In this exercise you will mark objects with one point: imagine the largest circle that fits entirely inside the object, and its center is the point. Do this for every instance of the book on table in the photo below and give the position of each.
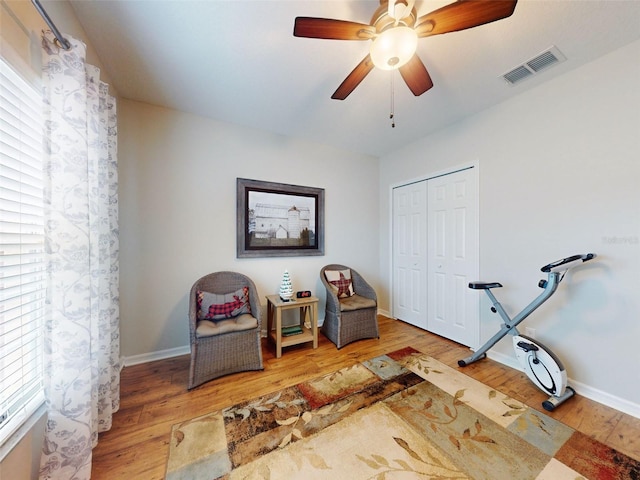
(292, 330)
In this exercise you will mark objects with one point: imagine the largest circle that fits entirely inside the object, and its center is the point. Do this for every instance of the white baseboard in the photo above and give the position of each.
(586, 391)
(607, 399)
(153, 356)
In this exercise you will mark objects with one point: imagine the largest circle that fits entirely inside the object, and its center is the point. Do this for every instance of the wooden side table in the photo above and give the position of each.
(308, 308)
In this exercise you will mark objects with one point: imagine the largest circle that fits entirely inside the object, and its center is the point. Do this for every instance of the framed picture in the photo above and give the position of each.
(279, 220)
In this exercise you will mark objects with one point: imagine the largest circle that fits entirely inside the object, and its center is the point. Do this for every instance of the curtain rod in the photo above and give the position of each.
(62, 42)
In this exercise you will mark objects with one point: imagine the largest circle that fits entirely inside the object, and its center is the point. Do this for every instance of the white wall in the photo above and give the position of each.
(177, 193)
(559, 175)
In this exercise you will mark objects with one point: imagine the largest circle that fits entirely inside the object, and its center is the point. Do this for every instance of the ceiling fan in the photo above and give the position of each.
(394, 30)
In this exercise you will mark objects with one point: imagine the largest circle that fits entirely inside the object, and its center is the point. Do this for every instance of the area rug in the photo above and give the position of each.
(403, 415)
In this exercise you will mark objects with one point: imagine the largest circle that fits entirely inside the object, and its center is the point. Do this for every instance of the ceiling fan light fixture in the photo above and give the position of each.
(394, 47)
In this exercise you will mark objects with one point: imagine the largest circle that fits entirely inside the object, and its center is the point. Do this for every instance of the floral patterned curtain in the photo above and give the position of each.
(82, 339)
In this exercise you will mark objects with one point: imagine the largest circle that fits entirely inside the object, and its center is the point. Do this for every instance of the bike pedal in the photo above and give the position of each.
(528, 347)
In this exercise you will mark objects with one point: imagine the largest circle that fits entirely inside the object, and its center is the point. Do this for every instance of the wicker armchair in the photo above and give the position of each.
(353, 318)
(228, 346)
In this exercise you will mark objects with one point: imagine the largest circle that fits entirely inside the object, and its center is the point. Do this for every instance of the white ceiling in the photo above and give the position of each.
(238, 62)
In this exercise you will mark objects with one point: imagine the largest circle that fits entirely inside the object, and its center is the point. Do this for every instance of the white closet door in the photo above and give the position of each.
(452, 256)
(410, 253)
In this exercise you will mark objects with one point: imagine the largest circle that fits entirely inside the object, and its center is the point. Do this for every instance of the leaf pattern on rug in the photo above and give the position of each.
(307, 417)
(379, 462)
(476, 437)
(451, 414)
(516, 408)
(315, 460)
(523, 423)
(435, 418)
(332, 387)
(178, 435)
(263, 404)
(419, 362)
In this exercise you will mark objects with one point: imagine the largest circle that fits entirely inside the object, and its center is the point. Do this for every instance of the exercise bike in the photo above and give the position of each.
(542, 367)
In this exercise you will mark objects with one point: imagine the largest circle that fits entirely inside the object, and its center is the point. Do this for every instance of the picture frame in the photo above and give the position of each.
(278, 219)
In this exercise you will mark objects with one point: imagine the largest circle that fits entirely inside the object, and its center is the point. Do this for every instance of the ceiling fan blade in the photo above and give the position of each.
(463, 14)
(329, 29)
(353, 79)
(416, 76)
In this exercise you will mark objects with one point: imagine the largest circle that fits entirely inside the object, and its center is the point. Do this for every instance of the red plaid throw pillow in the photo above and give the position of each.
(213, 306)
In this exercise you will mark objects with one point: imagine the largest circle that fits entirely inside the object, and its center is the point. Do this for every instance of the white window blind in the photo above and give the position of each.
(22, 271)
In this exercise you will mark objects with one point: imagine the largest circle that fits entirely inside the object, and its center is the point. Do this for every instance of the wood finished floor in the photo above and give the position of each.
(154, 397)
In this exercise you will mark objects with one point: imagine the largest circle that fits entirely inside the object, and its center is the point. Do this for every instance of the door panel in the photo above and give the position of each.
(409, 253)
(452, 258)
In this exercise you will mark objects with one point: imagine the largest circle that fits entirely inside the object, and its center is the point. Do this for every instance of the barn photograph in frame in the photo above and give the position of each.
(278, 219)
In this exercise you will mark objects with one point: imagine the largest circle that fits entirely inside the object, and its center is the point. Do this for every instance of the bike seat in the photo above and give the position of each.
(484, 285)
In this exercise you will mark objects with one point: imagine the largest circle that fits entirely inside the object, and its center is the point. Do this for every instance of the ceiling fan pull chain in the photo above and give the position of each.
(392, 113)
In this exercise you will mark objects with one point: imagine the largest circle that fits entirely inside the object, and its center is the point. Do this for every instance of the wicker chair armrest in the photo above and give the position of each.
(362, 287)
(193, 314)
(333, 304)
(254, 301)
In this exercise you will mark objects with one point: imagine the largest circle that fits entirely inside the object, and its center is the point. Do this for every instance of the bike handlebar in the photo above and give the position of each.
(567, 263)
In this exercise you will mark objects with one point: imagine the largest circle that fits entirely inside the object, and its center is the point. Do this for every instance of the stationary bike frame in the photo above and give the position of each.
(542, 367)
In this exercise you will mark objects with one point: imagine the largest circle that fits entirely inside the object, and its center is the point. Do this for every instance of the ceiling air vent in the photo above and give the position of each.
(540, 62)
